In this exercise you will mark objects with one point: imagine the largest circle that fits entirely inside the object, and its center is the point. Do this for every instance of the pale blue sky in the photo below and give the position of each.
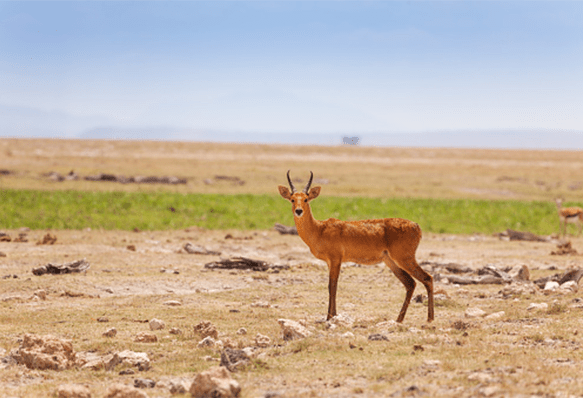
(337, 67)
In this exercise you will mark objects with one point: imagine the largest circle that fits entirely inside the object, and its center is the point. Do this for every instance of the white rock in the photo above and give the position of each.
(386, 325)
(157, 324)
(474, 312)
(496, 315)
(262, 341)
(242, 331)
(172, 303)
(207, 342)
(342, 320)
(537, 306)
(551, 285)
(348, 335)
(111, 332)
(293, 330)
(570, 285)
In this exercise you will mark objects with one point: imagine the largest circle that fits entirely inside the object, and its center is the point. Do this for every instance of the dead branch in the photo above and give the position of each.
(67, 268)
(242, 263)
(284, 230)
(194, 249)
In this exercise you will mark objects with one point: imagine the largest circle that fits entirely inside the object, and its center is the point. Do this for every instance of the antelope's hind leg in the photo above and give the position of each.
(407, 281)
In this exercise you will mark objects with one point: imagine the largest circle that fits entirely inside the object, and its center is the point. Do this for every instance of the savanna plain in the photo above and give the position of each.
(509, 338)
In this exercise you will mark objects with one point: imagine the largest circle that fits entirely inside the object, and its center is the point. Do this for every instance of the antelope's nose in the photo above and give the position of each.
(299, 212)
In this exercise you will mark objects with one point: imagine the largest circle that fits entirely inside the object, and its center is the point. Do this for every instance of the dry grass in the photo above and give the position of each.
(522, 352)
(349, 171)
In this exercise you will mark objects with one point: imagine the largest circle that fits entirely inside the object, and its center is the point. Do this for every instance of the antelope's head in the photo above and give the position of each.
(299, 200)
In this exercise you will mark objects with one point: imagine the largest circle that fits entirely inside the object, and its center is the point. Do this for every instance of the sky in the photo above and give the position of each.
(183, 69)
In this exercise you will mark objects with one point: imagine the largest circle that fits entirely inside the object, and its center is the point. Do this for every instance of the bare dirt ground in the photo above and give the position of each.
(508, 350)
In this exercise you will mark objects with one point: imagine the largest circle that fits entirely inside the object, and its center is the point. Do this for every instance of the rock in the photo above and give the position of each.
(73, 391)
(386, 325)
(206, 328)
(378, 337)
(495, 315)
(172, 303)
(144, 337)
(207, 342)
(175, 331)
(242, 331)
(537, 306)
(215, 382)
(520, 273)
(111, 332)
(42, 294)
(122, 391)
(341, 320)
(293, 330)
(348, 335)
(44, 352)
(144, 383)
(134, 359)
(570, 286)
(157, 324)
(474, 312)
(551, 286)
(261, 304)
(262, 341)
(234, 359)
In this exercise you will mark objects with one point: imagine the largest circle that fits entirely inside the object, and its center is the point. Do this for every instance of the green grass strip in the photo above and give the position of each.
(163, 210)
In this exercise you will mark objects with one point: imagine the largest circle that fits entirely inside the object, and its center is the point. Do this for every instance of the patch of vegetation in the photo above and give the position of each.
(166, 210)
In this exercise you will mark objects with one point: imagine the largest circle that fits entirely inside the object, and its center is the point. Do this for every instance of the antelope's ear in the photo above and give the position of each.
(284, 192)
(314, 192)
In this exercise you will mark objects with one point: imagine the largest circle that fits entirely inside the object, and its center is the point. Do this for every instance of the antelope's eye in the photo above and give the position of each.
(293, 201)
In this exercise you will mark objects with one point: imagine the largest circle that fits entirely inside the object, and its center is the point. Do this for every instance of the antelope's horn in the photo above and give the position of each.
(291, 184)
(307, 188)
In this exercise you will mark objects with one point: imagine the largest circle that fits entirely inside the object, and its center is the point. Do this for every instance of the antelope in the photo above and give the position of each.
(390, 240)
(568, 215)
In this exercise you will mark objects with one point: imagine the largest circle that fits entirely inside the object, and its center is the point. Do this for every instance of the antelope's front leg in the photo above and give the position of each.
(334, 269)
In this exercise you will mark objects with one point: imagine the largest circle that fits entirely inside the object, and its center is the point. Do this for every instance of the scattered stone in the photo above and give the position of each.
(4, 237)
(144, 337)
(172, 303)
(207, 342)
(44, 352)
(111, 332)
(242, 331)
(41, 294)
(495, 315)
(474, 312)
(537, 306)
(122, 391)
(261, 304)
(22, 238)
(341, 320)
(262, 341)
(551, 286)
(127, 372)
(520, 273)
(131, 248)
(67, 268)
(48, 239)
(293, 330)
(194, 249)
(103, 319)
(215, 382)
(144, 383)
(574, 274)
(386, 325)
(73, 391)
(378, 337)
(518, 289)
(157, 324)
(564, 248)
(234, 359)
(348, 335)
(175, 331)
(2, 254)
(205, 329)
(571, 286)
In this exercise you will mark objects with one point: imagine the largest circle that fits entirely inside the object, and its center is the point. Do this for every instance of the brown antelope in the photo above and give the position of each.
(391, 240)
(568, 215)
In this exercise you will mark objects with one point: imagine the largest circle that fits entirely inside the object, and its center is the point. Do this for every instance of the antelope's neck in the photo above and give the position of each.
(308, 228)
